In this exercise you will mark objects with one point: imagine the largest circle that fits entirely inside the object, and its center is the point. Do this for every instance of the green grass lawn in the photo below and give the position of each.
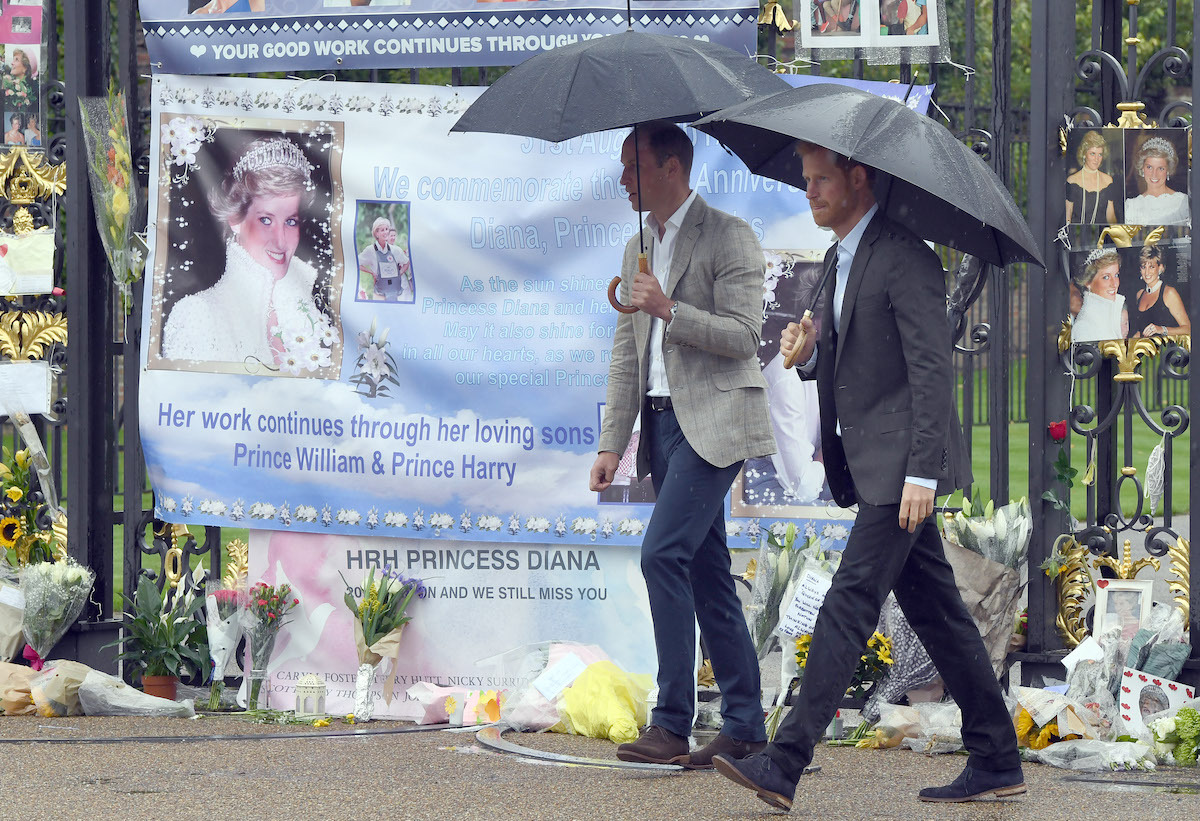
(1018, 466)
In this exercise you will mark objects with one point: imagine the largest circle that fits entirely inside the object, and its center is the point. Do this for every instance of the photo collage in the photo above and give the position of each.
(21, 52)
(1128, 215)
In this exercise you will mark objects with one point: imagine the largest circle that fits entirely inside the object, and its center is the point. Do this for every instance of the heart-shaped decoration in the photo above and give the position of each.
(1129, 674)
(1125, 690)
(1173, 686)
(1143, 678)
(1124, 706)
(1188, 692)
(1125, 717)
(1157, 681)
(198, 51)
(1103, 583)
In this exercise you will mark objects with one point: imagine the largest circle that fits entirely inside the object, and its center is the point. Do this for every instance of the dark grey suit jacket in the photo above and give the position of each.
(886, 375)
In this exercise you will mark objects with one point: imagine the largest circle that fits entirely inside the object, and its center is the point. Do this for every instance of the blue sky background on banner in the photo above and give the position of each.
(295, 35)
(534, 489)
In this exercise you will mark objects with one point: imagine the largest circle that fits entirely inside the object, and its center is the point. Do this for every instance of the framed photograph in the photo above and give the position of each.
(1133, 292)
(836, 23)
(1095, 176)
(791, 482)
(879, 24)
(1156, 177)
(1142, 695)
(1122, 602)
(235, 272)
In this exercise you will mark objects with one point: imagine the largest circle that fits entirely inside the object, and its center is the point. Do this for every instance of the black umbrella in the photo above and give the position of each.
(932, 183)
(617, 81)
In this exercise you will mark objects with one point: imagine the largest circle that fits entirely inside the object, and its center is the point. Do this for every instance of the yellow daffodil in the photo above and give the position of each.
(350, 718)
(5, 473)
(14, 494)
(10, 531)
(22, 458)
(321, 722)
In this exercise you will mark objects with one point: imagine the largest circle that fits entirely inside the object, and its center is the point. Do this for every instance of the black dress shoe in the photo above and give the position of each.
(728, 746)
(973, 784)
(759, 773)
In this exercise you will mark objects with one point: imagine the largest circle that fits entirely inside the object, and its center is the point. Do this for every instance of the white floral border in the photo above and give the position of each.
(443, 524)
(347, 25)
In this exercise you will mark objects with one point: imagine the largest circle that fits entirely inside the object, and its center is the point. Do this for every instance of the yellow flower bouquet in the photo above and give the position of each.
(26, 533)
(872, 666)
(114, 191)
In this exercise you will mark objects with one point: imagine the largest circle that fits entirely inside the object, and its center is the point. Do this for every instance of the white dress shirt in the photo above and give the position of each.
(660, 264)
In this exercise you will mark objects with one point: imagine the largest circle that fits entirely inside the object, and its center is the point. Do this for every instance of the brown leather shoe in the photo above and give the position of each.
(655, 746)
(732, 748)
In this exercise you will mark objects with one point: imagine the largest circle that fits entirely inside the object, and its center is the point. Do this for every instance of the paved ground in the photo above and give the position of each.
(439, 775)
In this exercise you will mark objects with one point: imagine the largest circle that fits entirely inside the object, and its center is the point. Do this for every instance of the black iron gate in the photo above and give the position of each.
(1010, 366)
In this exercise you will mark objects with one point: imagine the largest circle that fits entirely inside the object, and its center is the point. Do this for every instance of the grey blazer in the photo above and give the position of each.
(717, 388)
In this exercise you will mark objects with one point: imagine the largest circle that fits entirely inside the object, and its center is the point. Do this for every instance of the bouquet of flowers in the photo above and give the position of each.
(55, 593)
(379, 619)
(223, 611)
(114, 194)
(264, 616)
(777, 570)
(872, 666)
(20, 534)
(1177, 736)
(997, 533)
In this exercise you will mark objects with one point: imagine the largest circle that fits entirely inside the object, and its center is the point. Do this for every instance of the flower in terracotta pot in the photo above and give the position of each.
(162, 640)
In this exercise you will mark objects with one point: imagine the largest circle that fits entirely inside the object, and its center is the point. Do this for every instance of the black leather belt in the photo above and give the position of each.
(659, 403)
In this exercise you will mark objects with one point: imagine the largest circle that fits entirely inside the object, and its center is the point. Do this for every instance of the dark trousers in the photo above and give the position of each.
(881, 556)
(685, 561)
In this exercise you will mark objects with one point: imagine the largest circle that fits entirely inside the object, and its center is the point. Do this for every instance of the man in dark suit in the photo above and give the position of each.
(891, 442)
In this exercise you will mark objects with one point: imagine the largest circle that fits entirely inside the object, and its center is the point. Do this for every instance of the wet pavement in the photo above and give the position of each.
(107, 768)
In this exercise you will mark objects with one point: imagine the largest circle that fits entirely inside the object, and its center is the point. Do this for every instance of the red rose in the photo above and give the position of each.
(262, 602)
(1058, 430)
(270, 615)
(295, 601)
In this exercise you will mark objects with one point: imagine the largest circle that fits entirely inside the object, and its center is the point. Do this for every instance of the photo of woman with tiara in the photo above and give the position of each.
(267, 307)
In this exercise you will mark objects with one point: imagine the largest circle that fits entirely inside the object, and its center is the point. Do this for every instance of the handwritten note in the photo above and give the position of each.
(558, 676)
(801, 614)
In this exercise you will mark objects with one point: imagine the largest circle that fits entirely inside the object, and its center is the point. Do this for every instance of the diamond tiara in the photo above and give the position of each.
(270, 153)
(1159, 144)
(1096, 254)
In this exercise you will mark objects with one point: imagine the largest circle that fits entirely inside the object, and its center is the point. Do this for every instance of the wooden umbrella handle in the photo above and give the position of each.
(643, 267)
(790, 360)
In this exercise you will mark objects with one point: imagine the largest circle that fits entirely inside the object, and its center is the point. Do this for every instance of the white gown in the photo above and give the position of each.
(228, 322)
(1166, 209)
(796, 418)
(1098, 319)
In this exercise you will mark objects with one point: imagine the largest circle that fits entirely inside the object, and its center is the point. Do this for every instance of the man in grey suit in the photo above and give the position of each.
(686, 361)
(891, 442)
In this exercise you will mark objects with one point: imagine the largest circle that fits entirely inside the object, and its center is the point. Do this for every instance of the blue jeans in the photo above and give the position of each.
(685, 561)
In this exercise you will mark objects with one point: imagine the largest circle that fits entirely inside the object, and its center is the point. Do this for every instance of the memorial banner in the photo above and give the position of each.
(232, 36)
(359, 323)
(478, 602)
